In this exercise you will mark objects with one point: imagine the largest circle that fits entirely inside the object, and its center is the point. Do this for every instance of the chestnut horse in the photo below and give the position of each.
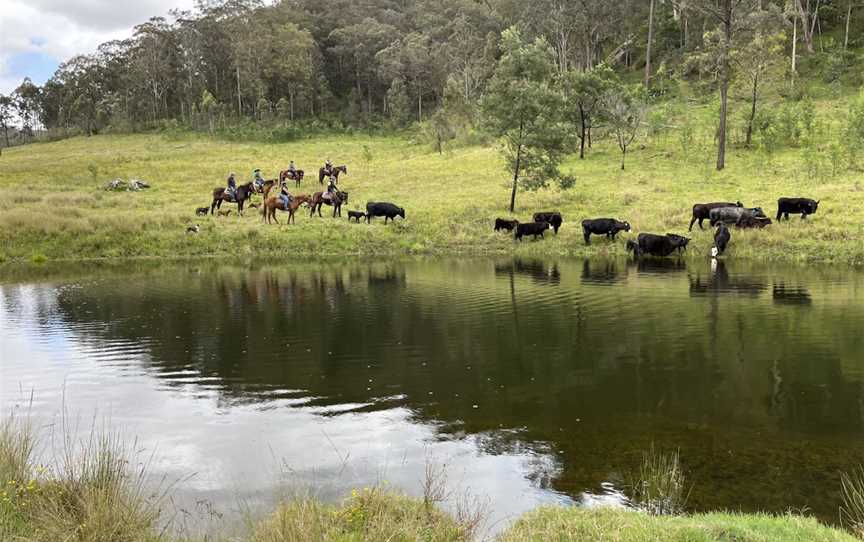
(243, 193)
(273, 203)
(336, 170)
(286, 175)
(336, 200)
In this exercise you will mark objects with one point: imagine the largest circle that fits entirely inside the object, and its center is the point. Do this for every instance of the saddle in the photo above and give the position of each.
(232, 195)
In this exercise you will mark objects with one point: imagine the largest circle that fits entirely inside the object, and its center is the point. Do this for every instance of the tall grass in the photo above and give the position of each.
(852, 509)
(659, 485)
(89, 491)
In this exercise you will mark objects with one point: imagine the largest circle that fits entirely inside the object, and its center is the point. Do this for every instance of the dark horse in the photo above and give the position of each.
(336, 170)
(243, 193)
(336, 200)
(296, 177)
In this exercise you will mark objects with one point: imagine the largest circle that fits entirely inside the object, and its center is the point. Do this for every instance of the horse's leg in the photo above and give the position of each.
(213, 206)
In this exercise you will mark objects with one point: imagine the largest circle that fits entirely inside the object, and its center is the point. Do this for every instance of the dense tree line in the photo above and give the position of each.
(447, 63)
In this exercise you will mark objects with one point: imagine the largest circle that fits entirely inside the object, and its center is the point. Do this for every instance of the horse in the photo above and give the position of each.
(265, 188)
(336, 200)
(275, 202)
(297, 176)
(323, 173)
(243, 193)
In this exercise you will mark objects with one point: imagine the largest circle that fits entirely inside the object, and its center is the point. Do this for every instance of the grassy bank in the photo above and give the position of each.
(55, 207)
(96, 491)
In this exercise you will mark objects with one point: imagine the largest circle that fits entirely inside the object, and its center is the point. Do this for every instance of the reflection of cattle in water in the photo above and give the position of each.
(790, 295)
(539, 271)
(600, 272)
(720, 282)
(659, 266)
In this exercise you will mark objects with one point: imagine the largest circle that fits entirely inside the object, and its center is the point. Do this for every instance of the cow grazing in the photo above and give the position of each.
(504, 224)
(804, 206)
(531, 228)
(732, 215)
(701, 211)
(747, 222)
(552, 217)
(657, 245)
(721, 240)
(356, 215)
(603, 226)
(388, 210)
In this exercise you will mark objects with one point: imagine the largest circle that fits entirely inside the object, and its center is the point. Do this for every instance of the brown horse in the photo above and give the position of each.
(296, 177)
(261, 188)
(243, 193)
(336, 200)
(275, 202)
(336, 170)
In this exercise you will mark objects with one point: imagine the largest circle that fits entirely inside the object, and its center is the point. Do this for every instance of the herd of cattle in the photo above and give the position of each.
(719, 214)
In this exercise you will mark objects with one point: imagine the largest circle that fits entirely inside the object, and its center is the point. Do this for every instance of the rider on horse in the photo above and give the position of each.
(331, 187)
(292, 170)
(232, 187)
(328, 167)
(257, 178)
(286, 197)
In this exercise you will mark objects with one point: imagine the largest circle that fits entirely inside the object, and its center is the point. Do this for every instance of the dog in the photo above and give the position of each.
(224, 213)
(356, 215)
(202, 211)
(194, 228)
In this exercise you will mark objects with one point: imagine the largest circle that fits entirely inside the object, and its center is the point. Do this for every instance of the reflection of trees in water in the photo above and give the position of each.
(676, 369)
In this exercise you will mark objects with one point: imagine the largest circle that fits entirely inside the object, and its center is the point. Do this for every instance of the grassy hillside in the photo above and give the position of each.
(54, 206)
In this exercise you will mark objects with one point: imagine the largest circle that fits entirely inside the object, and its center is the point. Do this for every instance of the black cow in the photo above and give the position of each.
(733, 215)
(531, 228)
(721, 240)
(504, 224)
(701, 211)
(356, 215)
(387, 210)
(805, 206)
(552, 217)
(603, 226)
(748, 222)
(657, 245)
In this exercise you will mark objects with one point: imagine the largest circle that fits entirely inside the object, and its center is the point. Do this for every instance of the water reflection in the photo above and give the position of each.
(790, 295)
(511, 365)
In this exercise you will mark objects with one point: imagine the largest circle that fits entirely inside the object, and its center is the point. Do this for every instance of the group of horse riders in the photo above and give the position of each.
(284, 195)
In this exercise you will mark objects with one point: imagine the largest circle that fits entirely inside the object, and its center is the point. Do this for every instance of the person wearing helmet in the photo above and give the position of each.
(232, 186)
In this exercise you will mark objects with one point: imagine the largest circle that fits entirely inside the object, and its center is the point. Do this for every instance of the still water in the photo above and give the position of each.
(532, 381)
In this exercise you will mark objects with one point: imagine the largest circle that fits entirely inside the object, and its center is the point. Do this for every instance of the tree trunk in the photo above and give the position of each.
(721, 128)
(794, 43)
(647, 79)
(583, 132)
(752, 111)
(848, 19)
(516, 170)
(515, 179)
(239, 99)
(419, 105)
(291, 101)
(623, 155)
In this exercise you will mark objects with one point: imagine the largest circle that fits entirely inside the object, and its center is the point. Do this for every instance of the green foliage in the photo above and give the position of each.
(521, 108)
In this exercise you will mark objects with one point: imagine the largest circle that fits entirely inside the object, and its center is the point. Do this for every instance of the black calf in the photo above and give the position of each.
(504, 224)
(721, 239)
(356, 215)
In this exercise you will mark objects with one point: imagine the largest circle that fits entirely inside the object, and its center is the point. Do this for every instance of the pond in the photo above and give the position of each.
(529, 381)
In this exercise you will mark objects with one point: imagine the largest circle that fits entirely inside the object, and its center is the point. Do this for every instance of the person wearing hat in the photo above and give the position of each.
(292, 170)
(257, 179)
(232, 186)
(328, 167)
